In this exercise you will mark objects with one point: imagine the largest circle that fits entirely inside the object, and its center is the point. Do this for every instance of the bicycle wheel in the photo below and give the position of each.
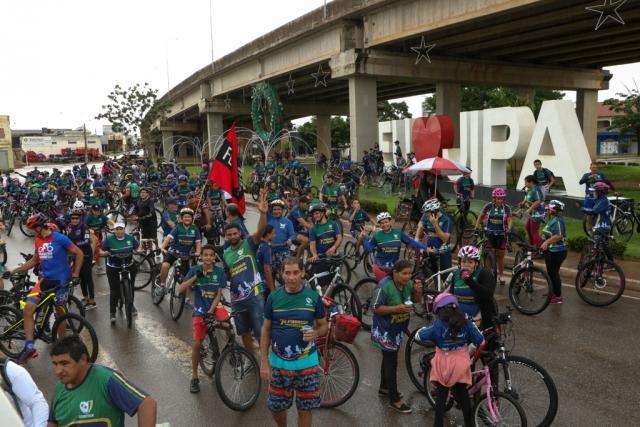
(501, 410)
(11, 331)
(5, 297)
(529, 384)
(238, 378)
(74, 305)
(127, 295)
(24, 229)
(77, 325)
(600, 283)
(364, 290)
(349, 251)
(347, 298)
(339, 373)
(623, 226)
(367, 263)
(209, 354)
(530, 290)
(11, 222)
(176, 300)
(159, 213)
(157, 291)
(144, 272)
(417, 355)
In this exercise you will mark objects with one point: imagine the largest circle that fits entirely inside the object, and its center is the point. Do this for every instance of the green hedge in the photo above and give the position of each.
(373, 208)
(579, 242)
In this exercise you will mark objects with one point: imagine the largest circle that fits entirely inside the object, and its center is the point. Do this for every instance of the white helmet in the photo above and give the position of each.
(383, 215)
(78, 204)
(431, 205)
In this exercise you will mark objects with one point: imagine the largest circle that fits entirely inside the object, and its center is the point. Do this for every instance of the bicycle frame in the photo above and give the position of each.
(46, 305)
(484, 380)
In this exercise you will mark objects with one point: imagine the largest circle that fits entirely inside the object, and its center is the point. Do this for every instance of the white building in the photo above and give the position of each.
(54, 144)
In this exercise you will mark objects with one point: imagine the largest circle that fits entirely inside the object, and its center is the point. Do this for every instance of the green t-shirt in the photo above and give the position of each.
(99, 401)
(243, 272)
(135, 189)
(324, 235)
(330, 193)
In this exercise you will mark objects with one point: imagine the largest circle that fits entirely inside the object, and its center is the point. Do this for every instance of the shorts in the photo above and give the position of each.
(496, 241)
(198, 328)
(305, 383)
(171, 257)
(43, 286)
(149, 230)
(249, 315)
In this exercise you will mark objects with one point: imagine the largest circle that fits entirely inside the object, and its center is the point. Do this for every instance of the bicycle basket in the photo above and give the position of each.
(403, 210)
(346, 327)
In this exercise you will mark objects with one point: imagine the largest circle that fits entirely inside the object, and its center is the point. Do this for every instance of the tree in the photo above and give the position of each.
(340, 132)
(132, 111)
(629, 105)
(481, 98)
(394, 111)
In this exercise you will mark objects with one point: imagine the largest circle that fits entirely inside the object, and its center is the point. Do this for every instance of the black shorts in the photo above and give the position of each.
(171, 257)
(149, 230)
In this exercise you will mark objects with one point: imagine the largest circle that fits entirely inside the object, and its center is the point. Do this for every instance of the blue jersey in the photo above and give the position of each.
(263, 256)
(52, 252)
(440, 333)
(387, 246)
(183, 239)
(465, 186)
(205, 288)
(445, 224)
(284, 231)
(295, 214)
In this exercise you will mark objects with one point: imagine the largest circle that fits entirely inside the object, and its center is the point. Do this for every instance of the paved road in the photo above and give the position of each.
(591, 353)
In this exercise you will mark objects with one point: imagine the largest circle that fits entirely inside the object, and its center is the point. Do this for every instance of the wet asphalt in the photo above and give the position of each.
(591, 353)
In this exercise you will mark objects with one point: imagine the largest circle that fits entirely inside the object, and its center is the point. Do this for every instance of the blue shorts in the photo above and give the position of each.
(305, 383)
(44, 286)
(249, 315)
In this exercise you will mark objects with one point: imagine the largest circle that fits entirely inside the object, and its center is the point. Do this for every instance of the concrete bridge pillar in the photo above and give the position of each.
(363, 115)
(587, 110)
(167, 145)
(449, 103)
(215, 128)
(323, 135)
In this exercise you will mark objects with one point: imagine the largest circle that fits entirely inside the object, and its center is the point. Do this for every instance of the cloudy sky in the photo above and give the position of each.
(60, 59)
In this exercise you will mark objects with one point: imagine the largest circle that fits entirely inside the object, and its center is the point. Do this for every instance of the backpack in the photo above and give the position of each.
(5, 384)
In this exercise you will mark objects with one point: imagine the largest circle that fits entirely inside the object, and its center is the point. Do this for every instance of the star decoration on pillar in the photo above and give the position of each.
(227, 103)
(320, 76)
(423, 51)
(607, 10)
(290, 83)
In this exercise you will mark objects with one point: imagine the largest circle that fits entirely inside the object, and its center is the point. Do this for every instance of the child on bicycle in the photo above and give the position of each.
(358, 217)
(206, 282)
(452, 332)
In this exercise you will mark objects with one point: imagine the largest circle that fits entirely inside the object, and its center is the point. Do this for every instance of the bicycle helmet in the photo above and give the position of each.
(77, 212)
(78, 205)
(602, 187)
(182, 178)
(470, 252)
(186, 211)
(499, 193)
(444, 299)
(382, 216)
(555, 206)
(320, 207)
(171, 177)
(278, 202)
(36, 220)
(431, 205)
(51, 226)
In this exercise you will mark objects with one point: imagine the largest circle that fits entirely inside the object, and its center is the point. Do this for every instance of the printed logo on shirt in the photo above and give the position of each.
(309, 301)
(396, 236)
(45, 251)
(283, 226)
(86, 407)
(240, 252)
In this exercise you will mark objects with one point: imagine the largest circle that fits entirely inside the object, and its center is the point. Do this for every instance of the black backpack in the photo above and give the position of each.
(7, 384)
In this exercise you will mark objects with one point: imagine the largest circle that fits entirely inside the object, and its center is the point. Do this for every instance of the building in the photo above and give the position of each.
(6, 152)
(610, 141)
(112, 142)
(50, 142)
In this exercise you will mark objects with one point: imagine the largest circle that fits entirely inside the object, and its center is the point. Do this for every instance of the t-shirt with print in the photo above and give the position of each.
(295, 214)
(134, 190)
(387, 246)
(184, 239)
(465, 186)
(445, 224)
(440, 333)
(533, 195)
(543, 176)
(359, 220)
(325, 236)
(244, 274)
(99, 401)
(121, 250)
(331, 193)
(263, 256)
(289, 313)
(386, 331)
(52, 252)
(205, 288)
(498, 216)
(555, 226)
(466, 296)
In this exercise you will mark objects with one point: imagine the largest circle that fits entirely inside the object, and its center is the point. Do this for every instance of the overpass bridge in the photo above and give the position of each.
(368, 52)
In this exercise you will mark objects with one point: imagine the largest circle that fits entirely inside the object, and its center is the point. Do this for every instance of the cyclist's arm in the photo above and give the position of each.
(35, 260)
(166, 242)
(184, 286)
(409, 241)
(198, 248)
(265, 343)
(533, 207)
(321, 326)
(419, 230)
(79, 259)
(442, 235)
(268, 277)
(147, 412)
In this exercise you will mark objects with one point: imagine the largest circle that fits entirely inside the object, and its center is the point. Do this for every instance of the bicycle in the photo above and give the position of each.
(365, 257)
(487, 257)
(234, 363)
(176, 299)
(337, 289)
(126, 287)
(12, 335)
(624, 218)
(600, 281)
(530, 288)
(147, 263)
(464, 221)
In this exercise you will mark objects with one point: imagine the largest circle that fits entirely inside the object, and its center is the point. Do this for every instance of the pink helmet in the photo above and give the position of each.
(469, 252)
(601, 186)
(444, 299)
(499, 193)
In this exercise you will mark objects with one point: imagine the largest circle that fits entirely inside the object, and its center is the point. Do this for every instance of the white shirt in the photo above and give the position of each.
(34, 407)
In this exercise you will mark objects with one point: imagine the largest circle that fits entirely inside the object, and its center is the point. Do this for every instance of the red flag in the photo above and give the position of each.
(224, 170)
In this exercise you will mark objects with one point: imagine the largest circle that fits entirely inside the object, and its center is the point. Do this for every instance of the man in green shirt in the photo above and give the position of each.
(91, 394)
(330, 193)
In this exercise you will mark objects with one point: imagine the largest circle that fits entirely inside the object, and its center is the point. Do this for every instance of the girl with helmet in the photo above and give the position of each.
(437, 227)
(533, 205)
(180, 242)
(496, 219)
(451, 367)
(555, 247)
(599, 209)
(387, 243)
(392, 304)
(474, 286)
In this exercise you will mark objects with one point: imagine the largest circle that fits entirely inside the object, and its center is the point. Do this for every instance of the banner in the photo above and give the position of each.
(224, 170)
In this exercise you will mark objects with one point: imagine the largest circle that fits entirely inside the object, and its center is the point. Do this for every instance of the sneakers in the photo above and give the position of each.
(27, 354)
(385, 392)
(113, 318)
(556, 300)
(194, 386)
(403, 408)
(90, 305)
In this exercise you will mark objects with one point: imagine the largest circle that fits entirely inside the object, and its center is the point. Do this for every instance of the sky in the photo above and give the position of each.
(60, 59)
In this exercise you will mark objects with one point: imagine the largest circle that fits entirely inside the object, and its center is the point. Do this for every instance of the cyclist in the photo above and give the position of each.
(206, 282)
(533, 204)
(599, 210)
(264, 256)
(555, 247)
(465, 190)
(131, 191)
(235, 217)
(147, 219)
(82, 236)
(180, 190)
(330, 194)
(474, 287)
(325, 237)
(97, 221)
(589, 179)
(270, 166)
(285, 235)
(358, 217)
(169, 219)
(119, 249)
(387, 243)
(273, 193)
(437, 227)
(51, 256)
(299, 216)
(497, 220)
(544, 177)
(179, 242)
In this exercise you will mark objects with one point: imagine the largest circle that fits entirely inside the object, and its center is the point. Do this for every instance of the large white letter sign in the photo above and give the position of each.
(559, 143)
(470, 151)
(500, 145)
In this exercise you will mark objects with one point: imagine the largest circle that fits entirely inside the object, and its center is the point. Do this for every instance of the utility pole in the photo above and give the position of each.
(86, 154)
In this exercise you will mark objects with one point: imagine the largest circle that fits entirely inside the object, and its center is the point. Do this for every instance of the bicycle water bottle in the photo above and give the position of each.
(319, 290)
(158, 257)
